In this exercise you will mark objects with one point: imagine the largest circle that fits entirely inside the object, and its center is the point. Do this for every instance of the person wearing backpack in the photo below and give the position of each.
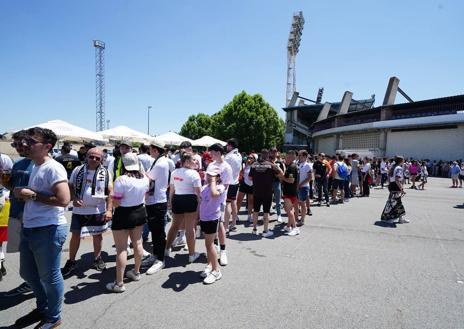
(340, 174)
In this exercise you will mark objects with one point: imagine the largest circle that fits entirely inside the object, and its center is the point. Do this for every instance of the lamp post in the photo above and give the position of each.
(148, 110)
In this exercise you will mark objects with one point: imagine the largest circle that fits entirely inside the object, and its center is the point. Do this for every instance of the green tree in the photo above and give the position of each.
(197, 126)
(251, 120)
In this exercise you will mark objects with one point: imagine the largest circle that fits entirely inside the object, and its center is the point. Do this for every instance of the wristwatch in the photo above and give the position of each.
(34, 197)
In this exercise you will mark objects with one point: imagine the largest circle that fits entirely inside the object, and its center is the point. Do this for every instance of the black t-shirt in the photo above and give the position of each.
(69, 162)
(290, 189)
(263, 174)
(320, 168)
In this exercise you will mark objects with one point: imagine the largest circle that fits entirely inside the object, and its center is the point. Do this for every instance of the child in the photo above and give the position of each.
(212, 197)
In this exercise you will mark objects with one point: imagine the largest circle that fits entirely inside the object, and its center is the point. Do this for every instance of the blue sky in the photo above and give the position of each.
(186, 57)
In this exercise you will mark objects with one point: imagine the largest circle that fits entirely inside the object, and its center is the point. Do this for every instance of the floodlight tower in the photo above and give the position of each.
(100, 83)
(292, 50)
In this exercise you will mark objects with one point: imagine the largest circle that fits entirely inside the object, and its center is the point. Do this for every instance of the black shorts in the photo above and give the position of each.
(262, 200)
(232, 192)
(183, 203)
(244, 188)
(209, 226)
(461, 177)
(127, 218)
(338, 184)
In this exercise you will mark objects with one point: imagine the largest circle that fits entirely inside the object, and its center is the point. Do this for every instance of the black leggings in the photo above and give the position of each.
(157, 224)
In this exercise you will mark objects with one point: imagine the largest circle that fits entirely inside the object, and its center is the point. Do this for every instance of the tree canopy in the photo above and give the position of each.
(248, 118)
(197, 126)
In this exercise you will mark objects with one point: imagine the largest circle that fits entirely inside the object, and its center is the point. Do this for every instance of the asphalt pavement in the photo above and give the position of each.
(342, 271)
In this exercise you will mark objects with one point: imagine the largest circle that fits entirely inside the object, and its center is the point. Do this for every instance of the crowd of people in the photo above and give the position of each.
(135, 194)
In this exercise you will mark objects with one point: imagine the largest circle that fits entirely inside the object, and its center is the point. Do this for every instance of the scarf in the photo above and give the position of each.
(100, 182)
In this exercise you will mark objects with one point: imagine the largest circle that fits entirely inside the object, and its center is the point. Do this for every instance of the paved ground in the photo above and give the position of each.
(341, 272)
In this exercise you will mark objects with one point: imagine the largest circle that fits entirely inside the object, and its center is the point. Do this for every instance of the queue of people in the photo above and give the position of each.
(134, 194)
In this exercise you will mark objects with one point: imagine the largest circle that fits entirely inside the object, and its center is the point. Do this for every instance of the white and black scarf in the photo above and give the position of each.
(100, 181)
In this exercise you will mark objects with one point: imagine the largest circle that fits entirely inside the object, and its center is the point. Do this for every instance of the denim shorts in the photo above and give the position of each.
(303, 193)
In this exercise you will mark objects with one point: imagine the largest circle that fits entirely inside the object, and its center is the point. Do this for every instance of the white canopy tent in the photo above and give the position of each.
(207, 141)
(69, 132)
(171, 138)
(123, 133)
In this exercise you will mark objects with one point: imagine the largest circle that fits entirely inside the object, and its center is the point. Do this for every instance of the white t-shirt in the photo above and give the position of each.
(185, 181)
(159, 174)
(234, 159)
(397, 172)
(224, 169)
(172, 165)
(146, 161)
(91, 205)
(130, 190)
(383, 167)
(42, 180)
(108, 159)
(366, 168)
(305, 171)
(246, 176)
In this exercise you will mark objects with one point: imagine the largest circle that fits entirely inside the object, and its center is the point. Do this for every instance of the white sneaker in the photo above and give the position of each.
(268, 234)
(194, 257)
(156, 267)
(279, 219)
(223, 258)
(403, 220)
(145, 253)
(213, 277)
(113, 287)
(132, 275)
(206, 271)
(286, 229)
(294, 232)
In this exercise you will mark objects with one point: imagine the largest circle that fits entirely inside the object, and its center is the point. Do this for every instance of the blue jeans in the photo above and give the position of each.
(277, 187)
(39, 259)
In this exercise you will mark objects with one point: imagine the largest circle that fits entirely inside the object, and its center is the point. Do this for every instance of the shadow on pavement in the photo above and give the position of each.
(245, 237)
(8, 301)
(459, 206)
(384, 224)
(86, 290)
(180, 280)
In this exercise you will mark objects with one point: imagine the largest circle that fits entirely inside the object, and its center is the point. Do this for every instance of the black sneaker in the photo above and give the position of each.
(310, 213)
(22, 289)
(69, 268)
(3, 269)
(31, 318)
(99, 264)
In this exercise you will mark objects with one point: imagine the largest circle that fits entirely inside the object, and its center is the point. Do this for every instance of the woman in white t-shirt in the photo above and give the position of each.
(394, 209)
(128, 219)
(246, 186)
(184, 193)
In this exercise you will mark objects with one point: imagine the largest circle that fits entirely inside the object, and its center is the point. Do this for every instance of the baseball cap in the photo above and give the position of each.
(131, 162)
(185, 144)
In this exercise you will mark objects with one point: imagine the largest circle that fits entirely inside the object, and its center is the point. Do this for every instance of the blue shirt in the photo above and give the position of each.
(19, 177)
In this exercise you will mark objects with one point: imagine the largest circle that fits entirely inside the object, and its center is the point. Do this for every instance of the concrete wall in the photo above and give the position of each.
(439, 144)
(326, 144)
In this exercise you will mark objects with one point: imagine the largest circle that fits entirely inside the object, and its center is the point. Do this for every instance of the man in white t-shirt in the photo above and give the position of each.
(90, 185)
(303, 184)
(144, 157)
(44, 228)
(225, 171)
(384, 171)
(234, 159)
(156, 204)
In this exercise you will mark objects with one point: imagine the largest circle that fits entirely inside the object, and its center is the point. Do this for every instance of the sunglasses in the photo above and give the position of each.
(91, 157)
(31, 141)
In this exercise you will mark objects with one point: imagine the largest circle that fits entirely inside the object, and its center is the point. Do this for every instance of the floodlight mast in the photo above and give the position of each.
(100, 83)
(293, 46)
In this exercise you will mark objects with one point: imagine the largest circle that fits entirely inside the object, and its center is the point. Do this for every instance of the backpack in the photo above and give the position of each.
(342, 170)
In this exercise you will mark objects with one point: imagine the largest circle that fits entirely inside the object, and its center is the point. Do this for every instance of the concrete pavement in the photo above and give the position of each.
(341, 272)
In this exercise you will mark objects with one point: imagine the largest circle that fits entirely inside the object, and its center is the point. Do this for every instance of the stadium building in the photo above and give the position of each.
(429, 129)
